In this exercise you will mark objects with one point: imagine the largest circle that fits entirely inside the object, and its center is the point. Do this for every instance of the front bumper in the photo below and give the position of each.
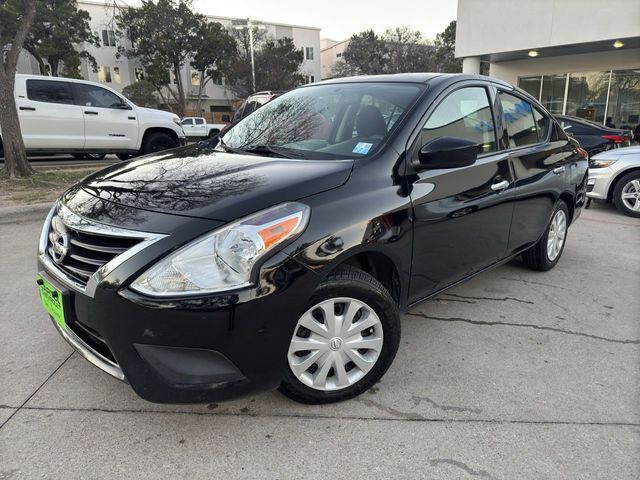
(598, 182)
(185, 350)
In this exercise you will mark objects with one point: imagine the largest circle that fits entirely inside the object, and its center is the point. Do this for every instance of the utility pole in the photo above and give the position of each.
(249, 25)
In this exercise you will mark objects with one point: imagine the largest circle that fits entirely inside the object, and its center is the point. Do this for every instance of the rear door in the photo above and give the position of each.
(461, 215)
(200, 127)
(107, 125)
(49, 118)
(540, 165)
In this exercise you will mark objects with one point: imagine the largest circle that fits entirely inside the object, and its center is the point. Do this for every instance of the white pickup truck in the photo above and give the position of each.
(197, 127)
(63, 115)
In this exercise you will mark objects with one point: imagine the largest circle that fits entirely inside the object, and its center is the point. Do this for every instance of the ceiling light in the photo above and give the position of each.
(618, 44)
(533, 53)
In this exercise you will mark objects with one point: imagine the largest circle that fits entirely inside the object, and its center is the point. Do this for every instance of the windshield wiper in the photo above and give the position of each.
(227, 148)
(283, 152)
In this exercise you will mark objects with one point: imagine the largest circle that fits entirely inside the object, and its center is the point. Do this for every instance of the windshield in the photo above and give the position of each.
(349, 120)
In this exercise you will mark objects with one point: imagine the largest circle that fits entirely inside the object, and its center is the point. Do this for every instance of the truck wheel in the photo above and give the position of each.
(626, 195)
(157, 142)
(214, 133)
(125, 156)
(95, 156)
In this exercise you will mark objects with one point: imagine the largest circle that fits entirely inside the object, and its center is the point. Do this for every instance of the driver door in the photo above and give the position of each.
(106, 126)
(462, 216)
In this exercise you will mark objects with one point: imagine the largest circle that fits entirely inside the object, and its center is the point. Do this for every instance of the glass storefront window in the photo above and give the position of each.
(587, 95)
(552, 97)
(624, 99)
(531, 85)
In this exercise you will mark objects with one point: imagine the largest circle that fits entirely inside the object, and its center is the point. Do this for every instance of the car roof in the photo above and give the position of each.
(418, 77)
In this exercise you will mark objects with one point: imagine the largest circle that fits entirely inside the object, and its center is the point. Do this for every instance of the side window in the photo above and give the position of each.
(518, 119)
(543, 123)
(92, 96)
(187, 121)
(465, 113)
(49, 91)
(199, 121)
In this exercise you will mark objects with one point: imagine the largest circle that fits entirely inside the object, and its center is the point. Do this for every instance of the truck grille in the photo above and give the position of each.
(80, 254)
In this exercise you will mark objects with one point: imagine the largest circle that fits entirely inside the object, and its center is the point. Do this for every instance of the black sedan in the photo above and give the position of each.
(594, 137)
(282, 253)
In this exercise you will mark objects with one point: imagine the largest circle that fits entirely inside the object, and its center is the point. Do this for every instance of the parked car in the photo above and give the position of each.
(282, 253)
(614, 176)
(63, 115)
(197, 127)
(594, 137)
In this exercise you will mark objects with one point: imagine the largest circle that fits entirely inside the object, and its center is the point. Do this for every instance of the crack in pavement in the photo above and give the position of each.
(530, 282)
(456, 463)
(390, 410)
(525, 325)
(503, 299)
(417, 400)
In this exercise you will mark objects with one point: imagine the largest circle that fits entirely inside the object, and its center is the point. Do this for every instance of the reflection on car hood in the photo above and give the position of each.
(200, 182)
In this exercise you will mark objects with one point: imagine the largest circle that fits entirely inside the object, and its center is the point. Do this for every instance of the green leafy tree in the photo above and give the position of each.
(16, 19)
(163, 33)
(59, 30)
(278, 65)
(215, 51)
(141, 93)
(365, 55)
(446, 61)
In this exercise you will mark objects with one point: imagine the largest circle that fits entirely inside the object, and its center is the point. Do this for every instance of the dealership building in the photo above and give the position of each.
(578, 57)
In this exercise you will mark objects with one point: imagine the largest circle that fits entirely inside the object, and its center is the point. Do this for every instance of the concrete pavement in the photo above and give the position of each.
(515, 374)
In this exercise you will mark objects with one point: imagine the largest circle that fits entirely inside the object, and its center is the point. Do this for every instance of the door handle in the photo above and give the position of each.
(558, 170)
(131, 118)
(31, 109)
(90, 112)
(499, 186)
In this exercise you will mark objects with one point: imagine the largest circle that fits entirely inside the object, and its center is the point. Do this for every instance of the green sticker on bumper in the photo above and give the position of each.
(51, 299)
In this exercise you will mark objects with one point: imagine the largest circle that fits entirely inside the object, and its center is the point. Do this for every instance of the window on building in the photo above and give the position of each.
(195, 78)
(50, 91)
(531, 85)
(311, 79)
(587, 95)
(338, 55)
(624, 99)
(465, 113)
(139, 73)
(518, 118)
(116, 75)
(104, 74)
(553, 87)
(308, 53)
(93, 96)
(108, 38)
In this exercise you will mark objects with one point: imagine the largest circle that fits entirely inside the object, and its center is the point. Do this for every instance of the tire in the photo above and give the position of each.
(157, 142)
(78, 156)
(545, 254)
(125, 156)
(358, 295)
(95, 156)
(213, 133)
(626, 194)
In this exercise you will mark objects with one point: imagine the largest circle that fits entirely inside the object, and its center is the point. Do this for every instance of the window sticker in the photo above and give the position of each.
(362, 148)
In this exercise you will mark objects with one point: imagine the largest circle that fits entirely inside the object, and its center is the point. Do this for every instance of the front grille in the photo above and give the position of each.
(79, 254)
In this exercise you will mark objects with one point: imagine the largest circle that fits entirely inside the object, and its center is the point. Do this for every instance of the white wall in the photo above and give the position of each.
(492, 26)
(329, 55)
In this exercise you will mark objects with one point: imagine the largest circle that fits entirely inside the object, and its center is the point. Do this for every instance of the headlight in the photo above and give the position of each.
(224, 259)
(176, 120)
(595, 163)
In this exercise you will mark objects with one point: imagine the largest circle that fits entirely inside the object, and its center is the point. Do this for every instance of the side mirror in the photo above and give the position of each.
(447, 152)
(226, 118)
(122, 106)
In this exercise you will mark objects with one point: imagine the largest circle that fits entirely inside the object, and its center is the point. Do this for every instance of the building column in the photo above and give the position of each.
(471, 65)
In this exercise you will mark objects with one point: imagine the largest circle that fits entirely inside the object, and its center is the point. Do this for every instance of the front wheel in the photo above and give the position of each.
(626, 194)
(125, 156)
(345, 341)
(157, 142)
(545, 254)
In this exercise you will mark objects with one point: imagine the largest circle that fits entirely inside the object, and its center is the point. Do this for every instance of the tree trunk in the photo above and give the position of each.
(16, 163)
(182, 104)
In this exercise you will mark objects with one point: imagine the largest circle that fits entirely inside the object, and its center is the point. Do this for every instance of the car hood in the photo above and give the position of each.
(619, 152)
(198, 181)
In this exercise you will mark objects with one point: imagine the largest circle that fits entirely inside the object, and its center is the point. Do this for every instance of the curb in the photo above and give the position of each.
(23, 213)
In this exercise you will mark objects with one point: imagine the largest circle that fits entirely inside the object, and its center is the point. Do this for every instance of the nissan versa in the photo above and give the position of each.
(282, 254)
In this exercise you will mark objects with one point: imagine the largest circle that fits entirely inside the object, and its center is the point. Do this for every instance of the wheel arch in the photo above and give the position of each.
(570, 201)
(616, 179)
(168, 131)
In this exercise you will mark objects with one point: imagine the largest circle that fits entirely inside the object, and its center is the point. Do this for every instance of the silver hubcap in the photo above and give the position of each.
(557, 232)
(335, 344)
(631, 195)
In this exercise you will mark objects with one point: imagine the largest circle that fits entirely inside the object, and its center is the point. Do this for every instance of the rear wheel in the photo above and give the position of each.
(545, 254)
(157, 142)
(125, 156)
(345, 342)
(626, 194)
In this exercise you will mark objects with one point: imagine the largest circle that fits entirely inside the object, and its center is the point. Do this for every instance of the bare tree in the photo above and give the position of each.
(22, 13)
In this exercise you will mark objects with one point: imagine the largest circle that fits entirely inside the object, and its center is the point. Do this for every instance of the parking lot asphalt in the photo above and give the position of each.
(513, 375)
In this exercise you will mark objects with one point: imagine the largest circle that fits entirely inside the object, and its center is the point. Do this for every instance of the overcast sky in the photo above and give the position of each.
(339, 19)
